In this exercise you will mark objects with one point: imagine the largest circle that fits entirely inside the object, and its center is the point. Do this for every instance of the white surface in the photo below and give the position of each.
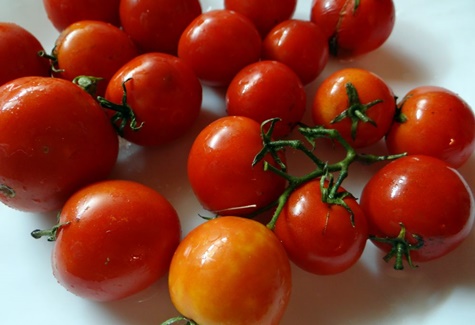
(432, 44)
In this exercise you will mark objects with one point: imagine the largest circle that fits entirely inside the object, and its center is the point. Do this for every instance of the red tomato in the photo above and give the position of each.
(55, 139)
(230, 270)
(63, 13)
(428, 197)
(354, 27)
(115, 239)
(92, 48)
(367, 103)
(220, 168)
(163, 93)
(265, 14)
(156, 25)
(19, 52)
(443, 122)
(284, 44)
(267, 89)
(218, 44)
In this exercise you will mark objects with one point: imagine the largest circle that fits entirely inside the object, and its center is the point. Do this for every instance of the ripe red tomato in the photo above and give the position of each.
(63, 13)
(115, 239)
(436, 122)
(367, 103)
(156, 25)
(19, 51)
(92, 48)
(265, 90)
(220, 168)
(428, 197)
(284, 43)
(55, 139)
(218, 44)
(230, 270)
(354, 27)
(163, 93)
(265, 14)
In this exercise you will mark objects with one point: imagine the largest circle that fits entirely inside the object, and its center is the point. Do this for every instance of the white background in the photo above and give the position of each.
(432, 44)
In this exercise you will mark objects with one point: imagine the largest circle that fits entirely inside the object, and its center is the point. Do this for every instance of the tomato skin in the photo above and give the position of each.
(164, 94)
(220, 168)
(20, 49)
(218, 44)
(230, 270)
(428, 196)
(136, 229)
(443, 122)
(55, 139)
(265, 90)
(284, 44)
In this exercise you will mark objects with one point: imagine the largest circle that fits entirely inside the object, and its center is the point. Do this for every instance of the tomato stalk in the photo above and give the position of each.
(50, 234)
(88, 83)
(7, 191)
(179, 319)
(53, 61)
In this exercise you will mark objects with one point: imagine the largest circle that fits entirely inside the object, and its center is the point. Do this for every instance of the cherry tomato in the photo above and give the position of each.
(284, 43)
(230, 270)
(267, 89)
(115, 239)
(156, 25)
(63, 13)
(220, 168)
(19, 51)
(55, 139)
(163, 93)
(265, 14)
(436, 122)
(218, 44)
(354, 27)
(92, 48)
(422, 200)
(357, 103)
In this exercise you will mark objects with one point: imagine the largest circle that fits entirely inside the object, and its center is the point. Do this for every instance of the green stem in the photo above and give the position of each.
(51, 234)
(179, 319)
(88, 83)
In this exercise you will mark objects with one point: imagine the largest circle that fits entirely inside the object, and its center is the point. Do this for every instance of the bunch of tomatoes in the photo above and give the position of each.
(135, 70)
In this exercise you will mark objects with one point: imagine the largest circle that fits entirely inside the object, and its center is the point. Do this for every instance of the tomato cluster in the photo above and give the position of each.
(136, 70)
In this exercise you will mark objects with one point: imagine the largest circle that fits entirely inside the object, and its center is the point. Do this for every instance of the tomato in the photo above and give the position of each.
(55, 139)
(424, 197)
(19, 51)
(115, 238)
(218, 44)
(267, 89)
(265, 14)
(63, 13)
(284, 43)
(434, 121)
(230, 270)
(92, 48)
(354, 27)
(357, 103)
(220, 168)
(156, 25)
(163, 93)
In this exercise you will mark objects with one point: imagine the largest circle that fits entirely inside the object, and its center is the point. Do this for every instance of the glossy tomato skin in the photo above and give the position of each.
(164, 94)
(55, 139)
(218, 44)
(318, 237)
(63, 13)
(284, 44)
(265, 14)
(436, 122)
(156, 25)
(19, 49)
(331, 99)
(428, 197)
(265, 90)
(220, 168)
(117, 238)
(354, 27)
(230, 270)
